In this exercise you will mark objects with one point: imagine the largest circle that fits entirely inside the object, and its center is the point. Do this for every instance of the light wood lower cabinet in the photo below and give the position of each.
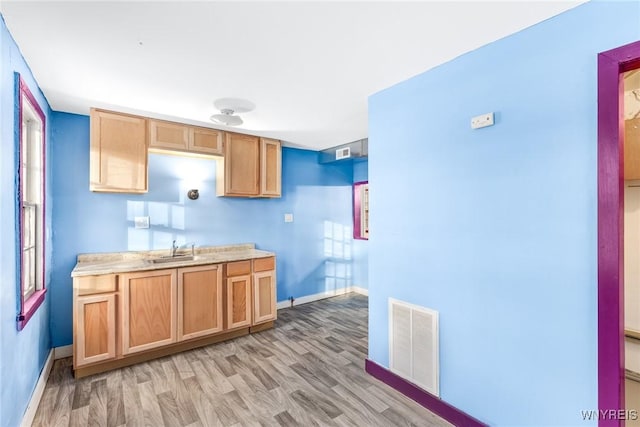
(121, 319)
(95, 319)
(199, 301)
(149, 310)
(264, 290)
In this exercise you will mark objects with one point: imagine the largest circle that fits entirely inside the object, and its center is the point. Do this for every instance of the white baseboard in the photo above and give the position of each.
(359, 290)
(62, 352)
(30, 413)
(321, 295)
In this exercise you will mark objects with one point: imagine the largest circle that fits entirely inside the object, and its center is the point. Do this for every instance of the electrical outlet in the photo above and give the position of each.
(141, 222)
(482, 121)
(288, 217)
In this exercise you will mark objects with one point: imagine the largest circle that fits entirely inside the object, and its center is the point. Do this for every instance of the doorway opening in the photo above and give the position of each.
(631, 229)
(612, 65)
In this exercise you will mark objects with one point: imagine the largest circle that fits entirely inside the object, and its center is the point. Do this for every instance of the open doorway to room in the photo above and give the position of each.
(613, 182)
(631, 112)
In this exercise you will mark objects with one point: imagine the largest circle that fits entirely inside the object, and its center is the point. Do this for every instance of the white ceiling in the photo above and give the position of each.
(307, 66)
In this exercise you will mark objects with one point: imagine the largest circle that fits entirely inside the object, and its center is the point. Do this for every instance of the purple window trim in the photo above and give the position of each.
(357, 203)
(29, 306)
(424, 398)
(611, 393)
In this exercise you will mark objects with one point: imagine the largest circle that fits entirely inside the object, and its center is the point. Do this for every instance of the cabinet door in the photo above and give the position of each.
(238, 301)
(168, 135)
(241, 165)
(148, 310)
(95, 328)
(270, 167)
(199, 301)
(205, 141)
(264, 296)
(118, 157)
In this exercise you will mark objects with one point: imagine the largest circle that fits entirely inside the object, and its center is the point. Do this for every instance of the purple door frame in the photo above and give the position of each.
(611, 227)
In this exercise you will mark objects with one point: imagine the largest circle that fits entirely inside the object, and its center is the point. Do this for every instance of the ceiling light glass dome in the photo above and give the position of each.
(229, 106)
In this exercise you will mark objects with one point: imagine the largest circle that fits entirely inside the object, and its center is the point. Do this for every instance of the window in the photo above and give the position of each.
(31, 202)
(361, 210)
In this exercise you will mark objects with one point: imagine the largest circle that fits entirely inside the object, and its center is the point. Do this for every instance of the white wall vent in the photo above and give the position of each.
(343, 153)
(413, 344)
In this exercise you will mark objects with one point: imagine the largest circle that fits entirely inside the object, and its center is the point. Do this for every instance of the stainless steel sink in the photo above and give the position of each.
(175, 258)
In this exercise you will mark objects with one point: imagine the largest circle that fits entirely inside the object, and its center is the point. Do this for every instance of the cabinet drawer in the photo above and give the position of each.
(89, 285)
(264, 264)
(238, 268)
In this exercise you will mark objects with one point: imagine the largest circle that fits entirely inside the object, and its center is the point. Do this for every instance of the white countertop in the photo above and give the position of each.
(122, 262)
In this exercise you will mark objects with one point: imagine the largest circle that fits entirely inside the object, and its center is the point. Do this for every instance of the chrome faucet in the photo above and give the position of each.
(174, 248)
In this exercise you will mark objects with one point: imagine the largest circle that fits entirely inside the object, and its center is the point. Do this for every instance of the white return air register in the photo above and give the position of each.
(413, 344)
(343, 153)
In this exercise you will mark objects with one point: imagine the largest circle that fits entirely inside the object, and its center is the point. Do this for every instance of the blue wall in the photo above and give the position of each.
(314, 253)
(360, 170)
(496, 228)
(22, 354)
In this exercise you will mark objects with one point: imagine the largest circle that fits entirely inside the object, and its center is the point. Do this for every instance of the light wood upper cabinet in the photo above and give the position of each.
(199, 301)
(169, 136)
(251, 167)
(205, 141)
(95, 328)
(172, 136)
(118, 156)
(149, 309)
(248, 166)
(264, 290)
(238, 173)
(632, 149)
(270, 167)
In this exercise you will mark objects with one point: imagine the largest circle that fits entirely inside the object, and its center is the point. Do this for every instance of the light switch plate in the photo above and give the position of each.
(288, 217)
(141, 221)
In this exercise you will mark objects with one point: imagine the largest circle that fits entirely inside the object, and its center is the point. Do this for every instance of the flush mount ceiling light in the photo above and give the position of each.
(229, 106)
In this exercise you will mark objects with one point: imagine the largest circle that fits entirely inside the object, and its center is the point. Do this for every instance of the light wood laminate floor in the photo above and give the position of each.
(308, 371)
